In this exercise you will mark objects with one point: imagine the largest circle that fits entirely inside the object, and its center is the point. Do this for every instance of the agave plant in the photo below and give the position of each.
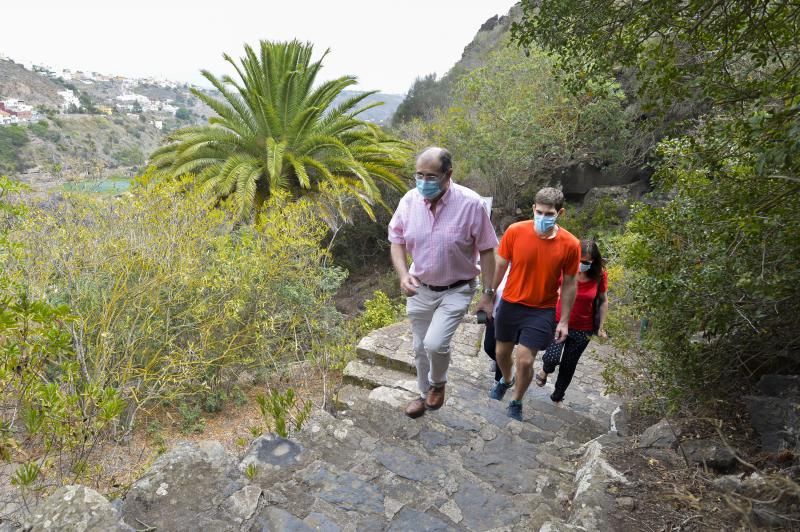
(275, 130)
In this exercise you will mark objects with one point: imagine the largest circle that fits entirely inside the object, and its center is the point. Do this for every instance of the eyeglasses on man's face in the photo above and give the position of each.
(427, 177)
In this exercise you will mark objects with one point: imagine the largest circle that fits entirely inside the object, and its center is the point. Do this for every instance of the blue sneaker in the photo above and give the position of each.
(500, 388)
(514, 410)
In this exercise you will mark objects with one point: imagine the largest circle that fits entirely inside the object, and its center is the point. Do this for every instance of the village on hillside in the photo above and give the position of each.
(103, 94)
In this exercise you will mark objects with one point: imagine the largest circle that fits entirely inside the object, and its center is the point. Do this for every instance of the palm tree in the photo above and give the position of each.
(275, 130)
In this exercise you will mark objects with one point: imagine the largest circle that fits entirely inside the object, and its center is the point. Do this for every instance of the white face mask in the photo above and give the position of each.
(585, 267)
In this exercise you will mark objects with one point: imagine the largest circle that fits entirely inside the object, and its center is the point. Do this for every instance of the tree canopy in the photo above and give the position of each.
(711, 259)
(276, 129)
(741, 57)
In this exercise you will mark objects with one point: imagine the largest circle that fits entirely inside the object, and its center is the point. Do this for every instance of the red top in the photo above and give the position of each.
(581, 318)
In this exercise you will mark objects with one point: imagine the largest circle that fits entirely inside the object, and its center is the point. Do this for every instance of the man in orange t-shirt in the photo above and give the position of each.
(540, 253)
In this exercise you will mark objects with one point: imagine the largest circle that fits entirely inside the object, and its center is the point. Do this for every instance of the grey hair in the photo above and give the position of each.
(445, 158)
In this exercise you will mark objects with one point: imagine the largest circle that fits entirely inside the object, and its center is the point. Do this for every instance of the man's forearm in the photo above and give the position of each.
(398, 253)
(487, 268)
(501, 265)
(568, 290)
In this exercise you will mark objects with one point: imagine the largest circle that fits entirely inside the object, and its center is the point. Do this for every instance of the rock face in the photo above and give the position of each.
(466, 466)
(76, 509)
(578, 179)
(776, 413)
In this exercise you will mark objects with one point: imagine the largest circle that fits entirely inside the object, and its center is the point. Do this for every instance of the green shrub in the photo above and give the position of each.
(714, 269)
(281, 413)
(166, 299)
(130, 156)
(191, 419)
(12, 139)
(380, 311)
(593, 219)
(53, 414)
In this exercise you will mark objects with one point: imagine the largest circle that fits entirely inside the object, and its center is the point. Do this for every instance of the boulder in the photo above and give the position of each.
(710, 453)
(189, 485)
(775, 415)
(662, 435)
(76, 509)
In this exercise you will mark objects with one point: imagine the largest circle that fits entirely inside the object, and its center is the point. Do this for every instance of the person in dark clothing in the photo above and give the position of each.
(592, 283)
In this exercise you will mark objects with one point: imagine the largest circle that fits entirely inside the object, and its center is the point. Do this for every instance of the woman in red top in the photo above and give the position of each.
(592, 278)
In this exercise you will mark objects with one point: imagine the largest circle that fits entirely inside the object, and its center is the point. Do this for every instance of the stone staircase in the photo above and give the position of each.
(466, 466)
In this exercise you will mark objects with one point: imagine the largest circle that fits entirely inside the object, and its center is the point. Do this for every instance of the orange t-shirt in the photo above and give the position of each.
(537, 264)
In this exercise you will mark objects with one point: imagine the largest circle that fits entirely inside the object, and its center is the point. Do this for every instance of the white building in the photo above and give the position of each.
(18, 106)
(132, 97)
(69, 100)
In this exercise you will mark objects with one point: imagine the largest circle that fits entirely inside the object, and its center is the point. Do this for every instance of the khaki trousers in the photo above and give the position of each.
(434, 317)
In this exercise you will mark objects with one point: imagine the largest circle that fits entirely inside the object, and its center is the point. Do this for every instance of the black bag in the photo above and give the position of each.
(596, 304)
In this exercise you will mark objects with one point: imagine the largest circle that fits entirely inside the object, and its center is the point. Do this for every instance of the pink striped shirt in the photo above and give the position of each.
(444, 246)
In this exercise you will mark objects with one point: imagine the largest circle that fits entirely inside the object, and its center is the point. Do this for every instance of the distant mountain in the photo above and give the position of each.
(378, 115)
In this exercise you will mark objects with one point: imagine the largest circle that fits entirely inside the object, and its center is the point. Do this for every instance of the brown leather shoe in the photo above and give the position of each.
(415, 408)
(435, 398)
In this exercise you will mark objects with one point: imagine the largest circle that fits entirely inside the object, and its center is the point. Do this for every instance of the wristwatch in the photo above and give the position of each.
(488, 291)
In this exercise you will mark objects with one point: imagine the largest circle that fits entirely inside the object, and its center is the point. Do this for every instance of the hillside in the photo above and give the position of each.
(37, 90)
(86, 146)
(119, 123)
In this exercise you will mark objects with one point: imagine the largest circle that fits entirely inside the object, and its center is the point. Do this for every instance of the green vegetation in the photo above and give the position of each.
(130, 156)
(12, 139)
(281, 412)
(183, 114)
(114, 309)
(380, 311)
(275, 131)
(42, 130)
(511, 123)
(712, 263)
(425, 97)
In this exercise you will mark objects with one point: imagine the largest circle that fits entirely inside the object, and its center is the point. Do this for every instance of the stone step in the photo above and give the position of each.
(392, 346)
(363, 374)
(447, 463)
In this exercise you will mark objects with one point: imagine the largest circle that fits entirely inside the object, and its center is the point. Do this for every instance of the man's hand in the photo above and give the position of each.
(409, 285)
(562, 330)
(486, 304)
(602, 333)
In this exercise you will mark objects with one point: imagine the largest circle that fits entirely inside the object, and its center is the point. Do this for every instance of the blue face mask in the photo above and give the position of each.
(428, 189)
(585, 267)
(543, 224)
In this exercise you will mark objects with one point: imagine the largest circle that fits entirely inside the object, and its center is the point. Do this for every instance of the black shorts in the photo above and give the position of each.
(532, 327)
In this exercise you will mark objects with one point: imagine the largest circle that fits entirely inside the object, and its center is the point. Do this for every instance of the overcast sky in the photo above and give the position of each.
(386, 44)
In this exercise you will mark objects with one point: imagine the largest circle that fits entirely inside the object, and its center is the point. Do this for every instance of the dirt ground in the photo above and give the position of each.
(235, 426)
(670, 495)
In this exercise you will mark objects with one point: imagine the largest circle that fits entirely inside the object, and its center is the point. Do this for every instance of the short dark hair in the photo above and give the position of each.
(550, 196)
(445, 158)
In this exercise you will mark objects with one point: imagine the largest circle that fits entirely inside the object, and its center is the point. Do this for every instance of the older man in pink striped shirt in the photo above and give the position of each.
(444, 227)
